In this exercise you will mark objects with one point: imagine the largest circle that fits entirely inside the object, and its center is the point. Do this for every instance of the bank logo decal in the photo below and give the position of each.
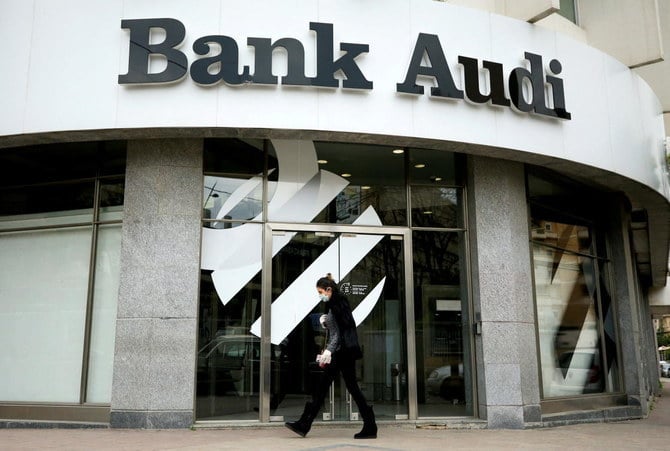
(303, 190)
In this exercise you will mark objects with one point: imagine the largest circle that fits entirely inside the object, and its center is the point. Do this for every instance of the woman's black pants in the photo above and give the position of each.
(347, 367)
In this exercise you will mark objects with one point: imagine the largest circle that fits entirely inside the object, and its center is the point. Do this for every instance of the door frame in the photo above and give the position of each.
(266, 302)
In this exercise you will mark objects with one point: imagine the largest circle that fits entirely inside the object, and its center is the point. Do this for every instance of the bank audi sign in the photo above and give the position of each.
(217, 60)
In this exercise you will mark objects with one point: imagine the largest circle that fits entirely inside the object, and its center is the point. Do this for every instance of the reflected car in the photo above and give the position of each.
(665, 368)
(450, 387)
(229, 364)
(578, 372)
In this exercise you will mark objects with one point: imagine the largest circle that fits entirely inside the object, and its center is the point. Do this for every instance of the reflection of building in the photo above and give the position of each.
(497, 208)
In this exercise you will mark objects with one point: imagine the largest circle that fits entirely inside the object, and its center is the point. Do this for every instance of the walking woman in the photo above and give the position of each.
(342, 351)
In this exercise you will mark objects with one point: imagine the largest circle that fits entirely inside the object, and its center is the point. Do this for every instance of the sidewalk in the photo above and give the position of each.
(652, 433)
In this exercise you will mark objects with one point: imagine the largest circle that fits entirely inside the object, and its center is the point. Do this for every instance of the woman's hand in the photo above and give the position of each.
(324, 358)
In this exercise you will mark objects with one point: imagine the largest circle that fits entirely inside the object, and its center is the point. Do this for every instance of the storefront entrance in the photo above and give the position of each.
(394, 241)
(370, 270)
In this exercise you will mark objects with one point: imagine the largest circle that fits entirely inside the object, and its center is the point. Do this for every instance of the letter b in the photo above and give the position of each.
(140, 51)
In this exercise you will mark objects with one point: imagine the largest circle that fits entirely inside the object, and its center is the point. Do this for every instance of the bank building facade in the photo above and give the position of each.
(485, 180)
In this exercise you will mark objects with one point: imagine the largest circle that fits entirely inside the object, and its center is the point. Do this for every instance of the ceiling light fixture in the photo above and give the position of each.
(419, 165)
(398, 151)
(322, 161)
(346, 174)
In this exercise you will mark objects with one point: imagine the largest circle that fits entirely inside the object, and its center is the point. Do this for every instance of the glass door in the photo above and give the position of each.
(370, 271)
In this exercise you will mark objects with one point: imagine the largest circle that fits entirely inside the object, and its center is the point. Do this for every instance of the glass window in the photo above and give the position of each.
(433, 167)
(568, 10)
(103, 326)
(231, 198)
(44, 280)
(228, 367)
(436, 207)
(337, 183)
(233, 156)
(111, 199)
(233, 183)
(575, 314)
(435, 197)
(49, 229)
(46, 205)
(441, 324)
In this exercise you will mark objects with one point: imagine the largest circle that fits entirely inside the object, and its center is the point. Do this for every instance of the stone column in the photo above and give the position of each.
(154, 358)
(507, 352)
(632, 319)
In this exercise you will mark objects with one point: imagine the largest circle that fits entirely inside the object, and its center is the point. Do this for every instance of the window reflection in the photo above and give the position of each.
(567, 321)
(435, 200)
(337, 183)
(233, 181)
(228, 366)
(570, 237)
(441, 317)
(46, 205)
(436, 207)
(230, 198)
(576, 330)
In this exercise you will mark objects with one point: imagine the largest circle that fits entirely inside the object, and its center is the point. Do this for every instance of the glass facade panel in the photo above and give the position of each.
(432, 167)
(436, 207)
(111, 200)
(233, 184)
(46, 205)
(442, 325)
(567, 322)
(231, 198)
(43, 290)
(435, 197)
(567, 10)
(49, 221)
(103, 326)
(336, 183)
(57, 162)
(575, 316)
(228, 365)
(233, 156)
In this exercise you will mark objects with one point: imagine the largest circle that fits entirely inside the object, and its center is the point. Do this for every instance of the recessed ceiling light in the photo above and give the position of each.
(398, 151)
(427, 212)
(322, 161)
(438, 179)
(419, 165)
(365, 187)
(346, 174)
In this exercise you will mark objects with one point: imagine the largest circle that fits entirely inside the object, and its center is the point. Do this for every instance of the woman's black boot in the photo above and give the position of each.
(369, 426)
(304, 424)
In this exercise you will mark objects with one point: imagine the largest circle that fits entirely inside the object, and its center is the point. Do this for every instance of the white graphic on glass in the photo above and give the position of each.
(234, 255)
(368, 303)
(302, 192)
(299, 298)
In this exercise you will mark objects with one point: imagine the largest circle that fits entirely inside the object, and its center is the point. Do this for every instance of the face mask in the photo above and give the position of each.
(323, 297)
